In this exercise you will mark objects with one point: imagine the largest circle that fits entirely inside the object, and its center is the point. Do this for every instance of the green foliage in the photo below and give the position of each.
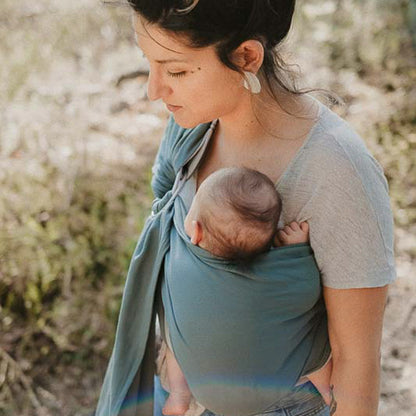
(397, 139)
(56, 247)
(368, 47)
(69, 224)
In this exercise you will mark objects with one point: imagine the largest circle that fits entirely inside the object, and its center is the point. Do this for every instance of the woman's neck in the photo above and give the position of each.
(241, 125)
(263, 118)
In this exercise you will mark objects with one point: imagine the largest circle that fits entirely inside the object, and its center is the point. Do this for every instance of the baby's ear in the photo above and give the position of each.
(196, 234)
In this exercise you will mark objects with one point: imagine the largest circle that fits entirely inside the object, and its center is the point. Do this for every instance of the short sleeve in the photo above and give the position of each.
(163, 173)
(351, 225)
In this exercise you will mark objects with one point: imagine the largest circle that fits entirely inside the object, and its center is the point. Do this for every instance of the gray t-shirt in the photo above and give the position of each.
(335, 184)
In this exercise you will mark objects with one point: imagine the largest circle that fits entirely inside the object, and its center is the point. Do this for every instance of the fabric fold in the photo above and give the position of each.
(242, 336)
(127, 389)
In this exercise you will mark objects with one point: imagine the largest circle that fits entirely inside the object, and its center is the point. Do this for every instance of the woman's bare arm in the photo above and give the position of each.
(355, 320)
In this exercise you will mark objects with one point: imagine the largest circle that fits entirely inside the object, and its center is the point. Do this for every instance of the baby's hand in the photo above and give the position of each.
(293, 233)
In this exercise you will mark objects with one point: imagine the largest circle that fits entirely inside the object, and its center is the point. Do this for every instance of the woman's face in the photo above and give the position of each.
(193, 83)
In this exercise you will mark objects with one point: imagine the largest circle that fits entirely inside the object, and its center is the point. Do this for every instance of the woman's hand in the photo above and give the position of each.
(355, 319)
(294, 233)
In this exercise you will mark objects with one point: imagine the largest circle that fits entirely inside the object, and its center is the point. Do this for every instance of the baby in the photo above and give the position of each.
(234, 215)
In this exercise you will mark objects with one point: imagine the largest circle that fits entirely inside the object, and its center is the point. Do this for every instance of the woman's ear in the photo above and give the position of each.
(249, 55)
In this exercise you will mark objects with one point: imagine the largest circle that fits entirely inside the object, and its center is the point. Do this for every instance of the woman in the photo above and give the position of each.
(218, 60)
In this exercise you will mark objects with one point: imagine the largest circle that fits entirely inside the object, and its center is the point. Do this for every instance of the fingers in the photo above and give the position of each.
(293, 233)
(283, 236)
(304, 226)
(294, 227)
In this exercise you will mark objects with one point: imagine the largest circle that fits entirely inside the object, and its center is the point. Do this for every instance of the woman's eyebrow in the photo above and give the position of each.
(166, 61)
(162, 61)
(159, 61)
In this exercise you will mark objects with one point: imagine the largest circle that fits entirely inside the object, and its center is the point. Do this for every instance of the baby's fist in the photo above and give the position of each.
(294, 233)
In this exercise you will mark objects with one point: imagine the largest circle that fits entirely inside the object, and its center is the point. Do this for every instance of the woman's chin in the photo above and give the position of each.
(188, 123)
(185, 123)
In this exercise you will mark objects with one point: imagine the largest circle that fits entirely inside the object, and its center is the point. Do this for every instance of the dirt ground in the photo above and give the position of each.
(70, 91)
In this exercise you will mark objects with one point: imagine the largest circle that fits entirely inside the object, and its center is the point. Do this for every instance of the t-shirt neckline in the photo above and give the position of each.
(290, 165)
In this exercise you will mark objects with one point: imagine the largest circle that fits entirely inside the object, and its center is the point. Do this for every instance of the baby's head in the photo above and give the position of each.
(234, 214)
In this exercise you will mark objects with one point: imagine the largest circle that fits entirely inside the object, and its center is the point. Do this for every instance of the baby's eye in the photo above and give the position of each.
(177, 74)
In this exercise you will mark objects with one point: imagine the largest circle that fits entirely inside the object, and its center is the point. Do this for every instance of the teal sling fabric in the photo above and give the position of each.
(243, 336)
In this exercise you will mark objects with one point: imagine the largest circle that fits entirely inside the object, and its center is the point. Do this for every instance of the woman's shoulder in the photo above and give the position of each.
(334, 149)
(341, 190)
(335, 168)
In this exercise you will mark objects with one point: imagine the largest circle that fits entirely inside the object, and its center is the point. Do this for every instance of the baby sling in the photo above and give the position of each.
(243, 336)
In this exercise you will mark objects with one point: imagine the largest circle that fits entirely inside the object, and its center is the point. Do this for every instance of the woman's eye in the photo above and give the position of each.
(176, 74)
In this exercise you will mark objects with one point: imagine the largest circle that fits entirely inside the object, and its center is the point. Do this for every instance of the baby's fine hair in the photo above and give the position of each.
(255, 206)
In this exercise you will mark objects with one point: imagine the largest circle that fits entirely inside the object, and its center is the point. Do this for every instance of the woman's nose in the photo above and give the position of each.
(156, 88)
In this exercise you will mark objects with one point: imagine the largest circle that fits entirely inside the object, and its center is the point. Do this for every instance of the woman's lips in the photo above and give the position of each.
(173, 108)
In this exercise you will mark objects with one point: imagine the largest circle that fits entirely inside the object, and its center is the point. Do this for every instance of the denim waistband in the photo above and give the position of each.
(300, 394)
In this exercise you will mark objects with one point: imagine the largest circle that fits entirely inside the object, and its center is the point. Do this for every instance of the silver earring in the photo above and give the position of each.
(188, 8)
(251, 82)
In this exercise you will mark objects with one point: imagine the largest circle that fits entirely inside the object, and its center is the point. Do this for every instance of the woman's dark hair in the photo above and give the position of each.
(226, 24)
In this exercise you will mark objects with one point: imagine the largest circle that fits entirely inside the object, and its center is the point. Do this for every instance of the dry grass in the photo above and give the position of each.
(75, 152)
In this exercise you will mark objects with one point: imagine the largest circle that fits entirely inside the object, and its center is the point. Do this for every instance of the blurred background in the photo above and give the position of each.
(77, 139)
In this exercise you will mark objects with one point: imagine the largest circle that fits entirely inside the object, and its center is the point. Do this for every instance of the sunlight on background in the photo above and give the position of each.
(77, 139)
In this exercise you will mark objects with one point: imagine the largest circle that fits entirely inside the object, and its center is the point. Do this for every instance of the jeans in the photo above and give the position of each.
(306, 402)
